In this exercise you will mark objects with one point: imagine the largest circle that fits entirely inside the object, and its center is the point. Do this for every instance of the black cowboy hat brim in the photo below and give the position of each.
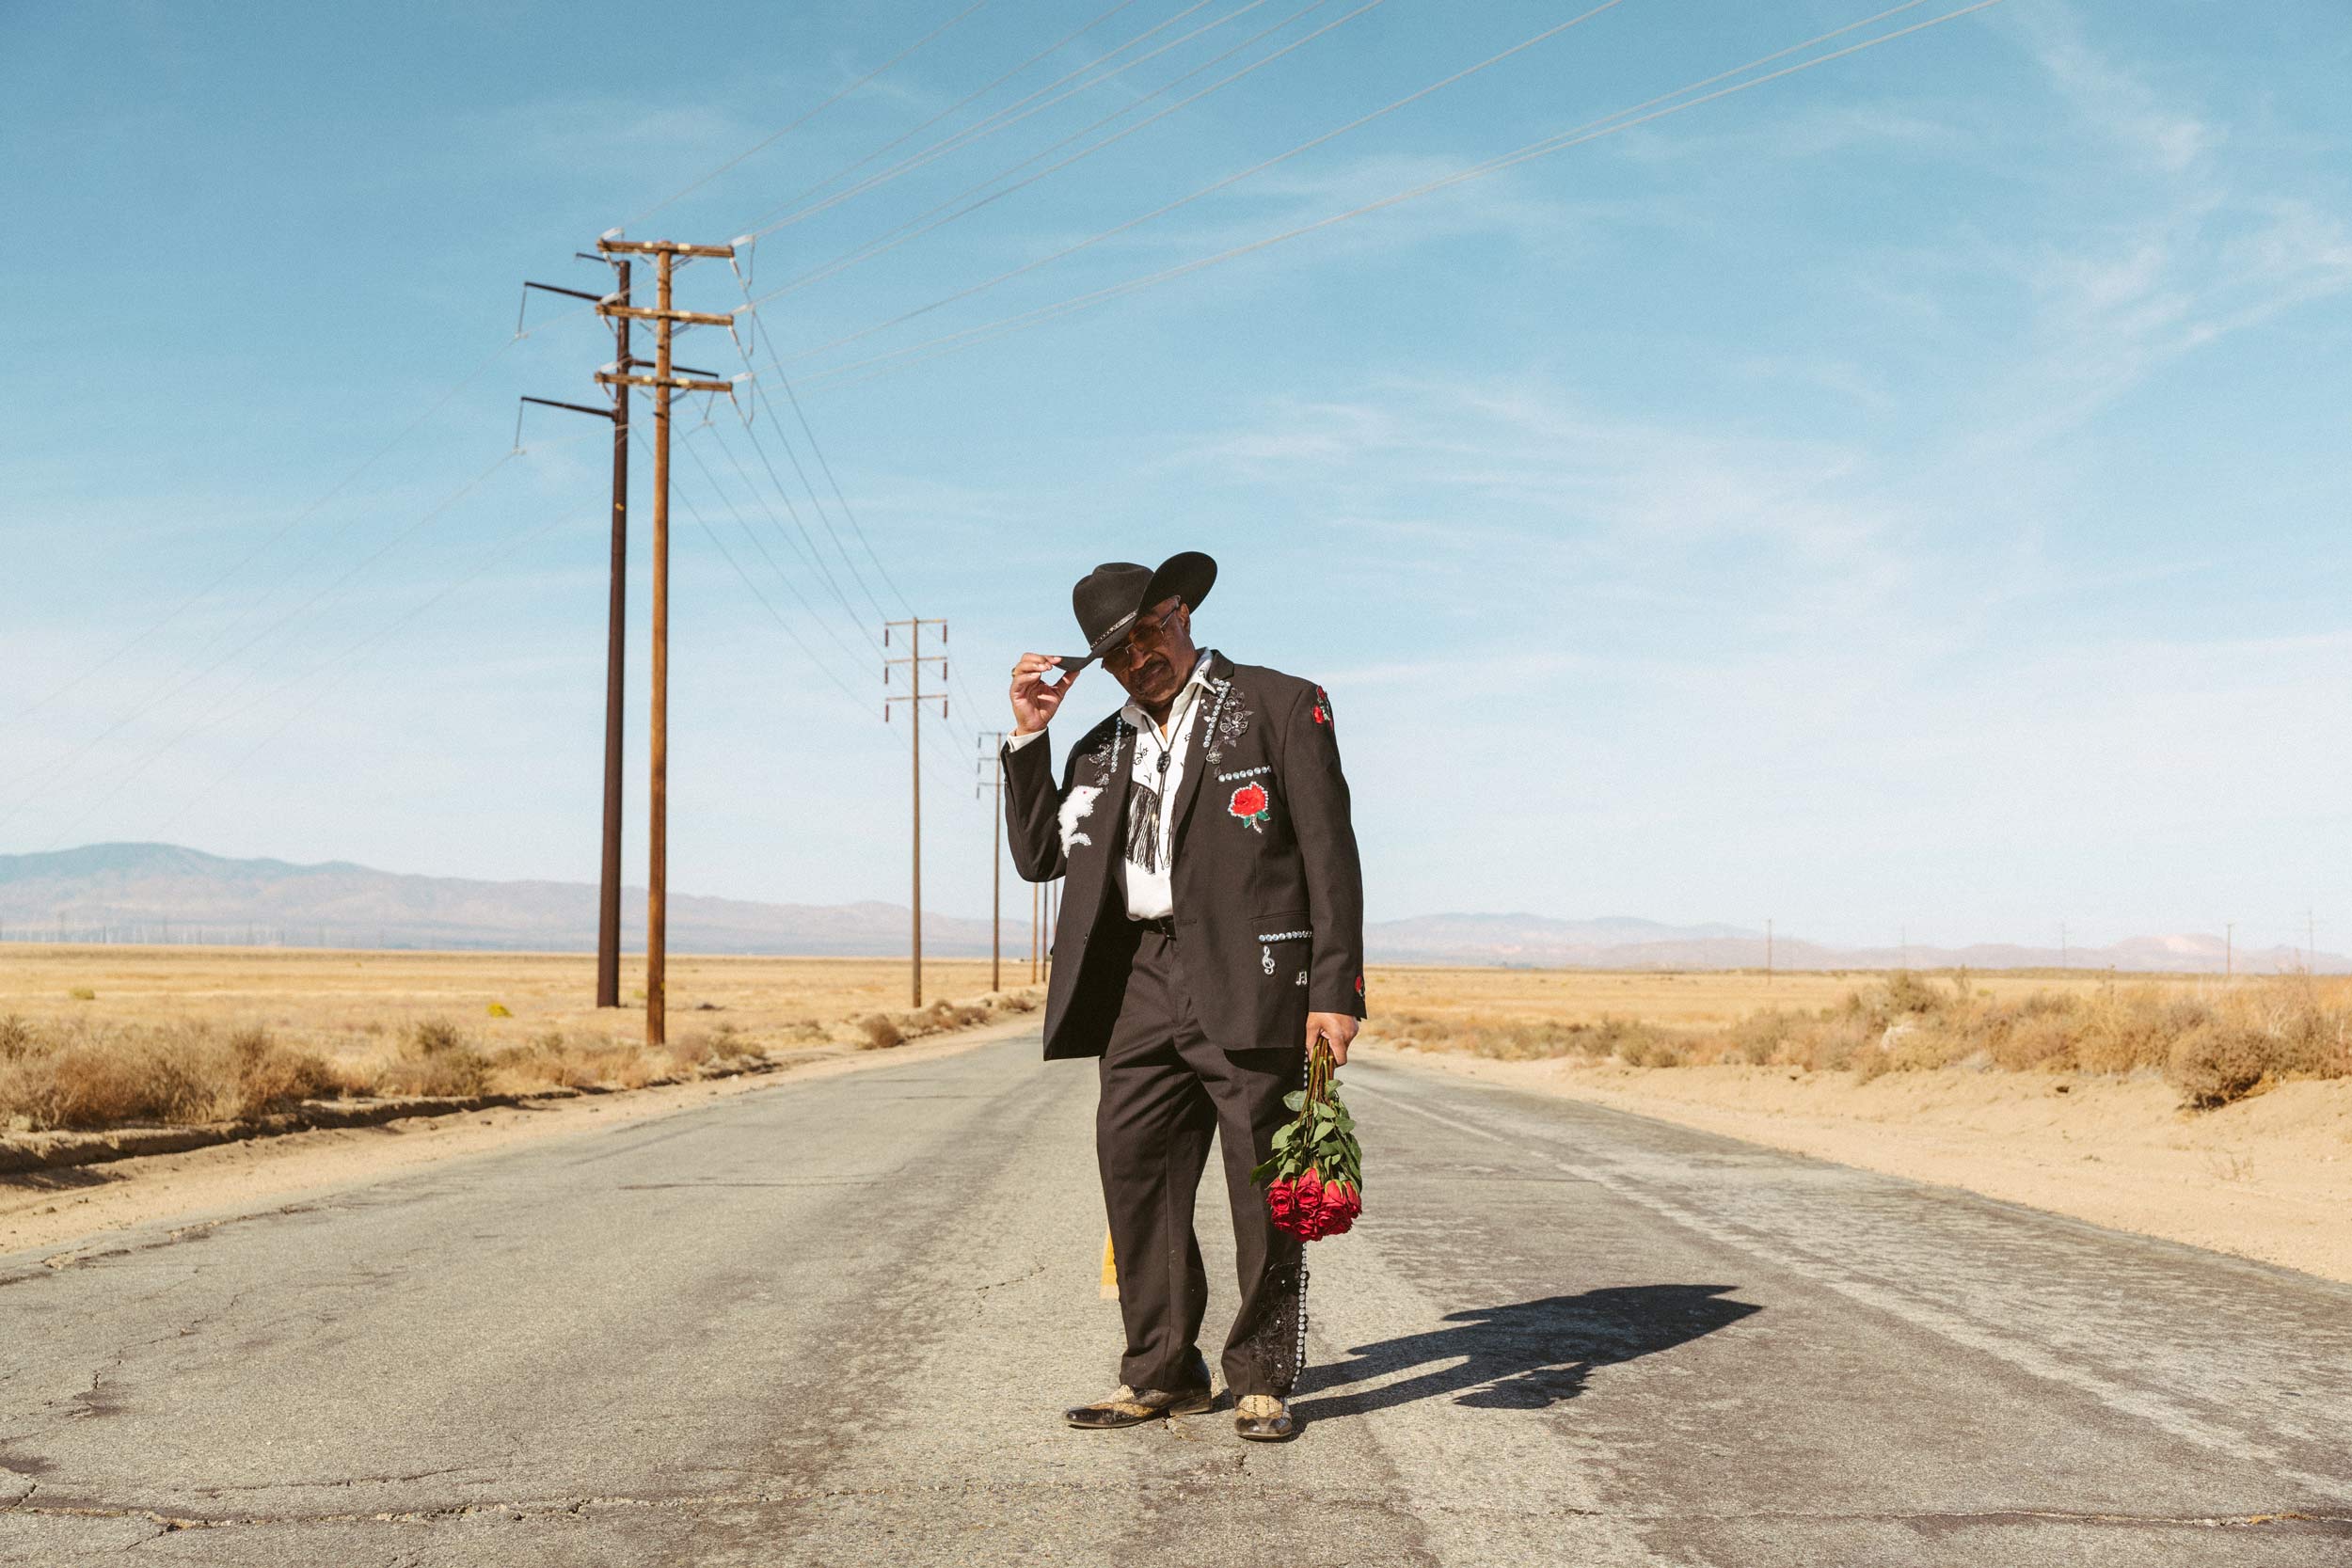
(1187, 574)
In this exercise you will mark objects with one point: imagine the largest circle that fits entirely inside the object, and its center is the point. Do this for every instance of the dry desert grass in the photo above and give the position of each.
(2114, 1105)
(2214, 1041)
(104, 1036)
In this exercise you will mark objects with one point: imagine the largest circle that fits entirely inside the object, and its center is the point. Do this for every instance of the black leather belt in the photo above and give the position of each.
(1163, 924)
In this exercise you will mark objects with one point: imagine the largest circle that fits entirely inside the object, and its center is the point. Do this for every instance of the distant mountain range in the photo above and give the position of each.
(1534, 941)
(163, 892)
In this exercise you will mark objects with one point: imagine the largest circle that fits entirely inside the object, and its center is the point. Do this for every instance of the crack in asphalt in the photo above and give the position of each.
(95, 1252)
(572, 1507)
(1016, 1279)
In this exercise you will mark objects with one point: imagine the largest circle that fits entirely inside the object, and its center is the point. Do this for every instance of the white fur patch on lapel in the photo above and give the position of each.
(1074, 809)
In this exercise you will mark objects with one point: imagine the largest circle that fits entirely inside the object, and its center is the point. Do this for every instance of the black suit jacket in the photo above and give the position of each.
(1269, 898)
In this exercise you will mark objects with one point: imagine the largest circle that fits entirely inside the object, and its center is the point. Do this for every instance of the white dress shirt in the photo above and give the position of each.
(1160, 756)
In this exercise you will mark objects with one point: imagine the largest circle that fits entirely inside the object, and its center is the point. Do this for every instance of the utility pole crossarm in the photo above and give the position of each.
(662, 247)
(675, 383)
(572, 293)
(646, 312)
(575, 407)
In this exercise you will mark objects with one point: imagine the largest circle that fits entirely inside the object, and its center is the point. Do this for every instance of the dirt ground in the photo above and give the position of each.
(1684, 1000)
(352, 1002)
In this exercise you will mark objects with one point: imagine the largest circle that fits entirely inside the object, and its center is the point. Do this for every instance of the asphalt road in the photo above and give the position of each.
(832, 1321)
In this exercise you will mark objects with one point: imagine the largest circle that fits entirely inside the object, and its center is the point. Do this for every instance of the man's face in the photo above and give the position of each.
(1157, 655)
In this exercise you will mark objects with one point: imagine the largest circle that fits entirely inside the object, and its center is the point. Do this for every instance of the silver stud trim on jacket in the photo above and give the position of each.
(1284, 936)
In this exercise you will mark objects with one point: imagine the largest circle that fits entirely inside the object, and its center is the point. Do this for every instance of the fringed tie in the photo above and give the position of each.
(1144, 825)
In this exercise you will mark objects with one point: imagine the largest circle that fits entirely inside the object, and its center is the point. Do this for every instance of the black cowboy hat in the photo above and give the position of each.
(1108, 598)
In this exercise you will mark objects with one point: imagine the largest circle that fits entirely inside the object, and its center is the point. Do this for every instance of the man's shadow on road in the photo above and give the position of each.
(1524, 1357)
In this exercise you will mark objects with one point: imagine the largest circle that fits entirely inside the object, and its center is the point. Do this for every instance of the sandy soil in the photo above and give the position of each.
(1679, 999)
(2269, 1178)
(88, 1205)
(351, 1003)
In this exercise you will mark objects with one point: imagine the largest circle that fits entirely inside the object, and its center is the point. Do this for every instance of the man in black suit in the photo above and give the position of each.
(1211, 931)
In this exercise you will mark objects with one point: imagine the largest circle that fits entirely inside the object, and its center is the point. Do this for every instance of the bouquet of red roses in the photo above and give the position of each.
(1315, 1180)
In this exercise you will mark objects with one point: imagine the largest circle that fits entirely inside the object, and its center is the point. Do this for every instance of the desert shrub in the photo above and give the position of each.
(1762, 1038)
(83, 994)
(553, 1059)
(881, 1030)
(435, 1036)
(17, 1038)
(1834, 1041)
(1906, 994)
(435, 1059)
(730, 1044)
(2035, 1033)
(87, 1077)
(945, 1014)
(1654, 1049)
(2132, 1027)
(271, 1077)
(2219, 1061)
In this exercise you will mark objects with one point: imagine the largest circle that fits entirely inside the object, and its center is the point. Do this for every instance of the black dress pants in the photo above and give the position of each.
(1166, 1091)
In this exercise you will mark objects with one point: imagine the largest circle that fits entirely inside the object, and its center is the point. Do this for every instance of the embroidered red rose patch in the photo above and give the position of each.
(1250, 804)
(1323, 706)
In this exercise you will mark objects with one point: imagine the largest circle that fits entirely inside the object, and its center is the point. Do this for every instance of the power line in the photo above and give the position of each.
(767, 407)
(834, 482)
(1002, 119)
(288, 527)
(216, 717)
(1606, 125)
(790, 586)
(783, 625)
(965, 101)
(813, 553)
(774, 137)
(1232, 179)
(57, 770)
(765, 603)
(488, 559)
(915, 228)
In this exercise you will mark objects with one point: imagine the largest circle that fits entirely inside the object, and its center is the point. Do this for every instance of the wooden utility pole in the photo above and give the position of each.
(990, 766)
(616, 633)
(615, 674)
(914, 698)
(1768, 952)
(663, 381)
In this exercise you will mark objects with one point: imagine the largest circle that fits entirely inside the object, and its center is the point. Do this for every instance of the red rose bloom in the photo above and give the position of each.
(1281, 1202)
(1341, 1202)
(1248, 800)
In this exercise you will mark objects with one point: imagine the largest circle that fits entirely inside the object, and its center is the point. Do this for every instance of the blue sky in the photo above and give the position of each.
(1910, 493)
